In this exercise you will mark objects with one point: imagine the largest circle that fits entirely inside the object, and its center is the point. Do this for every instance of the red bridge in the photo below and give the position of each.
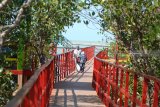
(57, 84)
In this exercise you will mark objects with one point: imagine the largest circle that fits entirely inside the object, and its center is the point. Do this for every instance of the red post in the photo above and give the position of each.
(116, 80)
(108, 84)
(126, 89)
(144, 91)
(155, 95)
(121, 86)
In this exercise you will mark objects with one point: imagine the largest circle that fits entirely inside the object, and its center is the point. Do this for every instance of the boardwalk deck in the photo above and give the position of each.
(76, 91)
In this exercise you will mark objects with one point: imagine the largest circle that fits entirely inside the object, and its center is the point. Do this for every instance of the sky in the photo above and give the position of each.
(82, 32)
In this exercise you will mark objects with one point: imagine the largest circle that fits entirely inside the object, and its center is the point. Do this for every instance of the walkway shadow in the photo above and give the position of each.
(74, 100)
(76, 91)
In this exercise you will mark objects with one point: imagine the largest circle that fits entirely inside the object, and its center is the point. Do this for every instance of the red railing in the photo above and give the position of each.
(65, 64)
(22, 72)
(89, 51)
(117, 86)
(103, 54)
(36, 91)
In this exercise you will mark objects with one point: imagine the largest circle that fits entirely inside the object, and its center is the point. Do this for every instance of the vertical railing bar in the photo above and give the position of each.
(155, 94)
(144, 91)
(116, 90)
(126, 89)
(121, 86)
(135, 90)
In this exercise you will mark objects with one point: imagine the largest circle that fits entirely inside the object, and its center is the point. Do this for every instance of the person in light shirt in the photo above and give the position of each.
(83, 59)
(76, 54)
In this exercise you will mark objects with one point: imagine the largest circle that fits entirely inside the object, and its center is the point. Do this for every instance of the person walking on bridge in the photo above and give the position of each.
(76, 55)
(83, 59)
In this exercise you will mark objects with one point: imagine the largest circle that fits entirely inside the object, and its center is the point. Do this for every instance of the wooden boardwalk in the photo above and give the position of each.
(76, 90)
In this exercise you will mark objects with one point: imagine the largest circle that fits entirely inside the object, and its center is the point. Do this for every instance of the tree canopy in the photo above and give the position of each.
(27, 27)
(136, 25)
(34, 23)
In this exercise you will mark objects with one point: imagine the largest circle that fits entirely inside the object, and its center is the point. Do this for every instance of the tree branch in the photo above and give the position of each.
(3, 4)
(17, 20)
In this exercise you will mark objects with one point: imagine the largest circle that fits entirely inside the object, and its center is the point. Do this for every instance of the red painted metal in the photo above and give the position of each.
(144, 92)
(155, 97)
(89, 51)
(36, 91)
(112, 84)
(126, 89)
(20, 72)
(135, 90)
(65, 64)
(121, 85)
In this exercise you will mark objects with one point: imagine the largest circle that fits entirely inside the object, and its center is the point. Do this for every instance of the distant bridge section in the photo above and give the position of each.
(86, 44)
(98, 44)
(89, 43)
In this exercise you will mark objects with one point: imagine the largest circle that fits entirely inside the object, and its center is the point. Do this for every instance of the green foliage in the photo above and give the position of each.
(43, 20)
(111, 50)
(136, 25)
(7, 87)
